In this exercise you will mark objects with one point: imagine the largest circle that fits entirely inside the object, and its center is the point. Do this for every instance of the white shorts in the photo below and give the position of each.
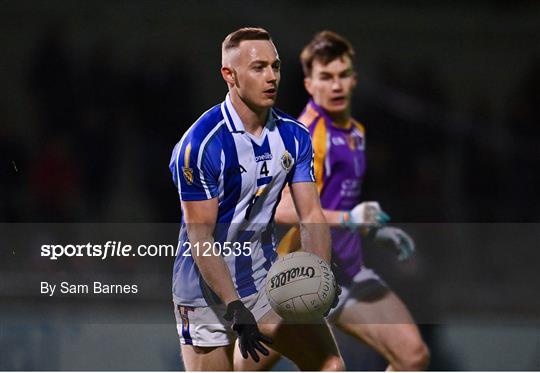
(348, 294)
(206, 327)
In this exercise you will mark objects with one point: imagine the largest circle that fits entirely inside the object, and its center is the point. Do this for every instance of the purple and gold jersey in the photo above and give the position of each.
(340, 165)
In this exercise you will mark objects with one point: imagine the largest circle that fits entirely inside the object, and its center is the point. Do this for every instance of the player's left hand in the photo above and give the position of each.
(401, 241)
(245, 326)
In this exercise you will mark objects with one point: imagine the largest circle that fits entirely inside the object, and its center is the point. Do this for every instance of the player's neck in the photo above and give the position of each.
(342, 119)
(254, 120)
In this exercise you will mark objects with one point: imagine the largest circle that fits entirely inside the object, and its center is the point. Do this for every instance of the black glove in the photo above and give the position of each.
(338, 290)
(245, 326)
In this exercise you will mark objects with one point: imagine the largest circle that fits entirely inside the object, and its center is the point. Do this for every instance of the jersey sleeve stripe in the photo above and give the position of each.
(186, 155)
(180, 144)
(319, 148)
(178, 168)
(202, 150)
(227, 117)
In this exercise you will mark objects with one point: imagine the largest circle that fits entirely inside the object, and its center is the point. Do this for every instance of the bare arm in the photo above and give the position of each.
(286, 212)
(315, 233)
(200, 218)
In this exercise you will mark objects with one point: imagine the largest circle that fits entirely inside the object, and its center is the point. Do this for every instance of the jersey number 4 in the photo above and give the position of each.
(264, 169)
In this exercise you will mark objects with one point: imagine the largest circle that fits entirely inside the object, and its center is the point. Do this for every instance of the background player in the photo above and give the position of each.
(367, 309)
(230, 168)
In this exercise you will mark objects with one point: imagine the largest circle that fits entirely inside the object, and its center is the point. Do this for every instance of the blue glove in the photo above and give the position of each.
(398, 239)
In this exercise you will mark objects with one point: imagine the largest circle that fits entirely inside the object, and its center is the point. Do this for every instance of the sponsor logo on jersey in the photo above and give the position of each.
(264, 157)
(286, 161)
(338, 141)
(284, 278)
(350, 184)
(350, 188)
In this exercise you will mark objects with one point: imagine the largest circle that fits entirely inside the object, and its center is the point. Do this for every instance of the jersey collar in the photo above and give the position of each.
(233, 121)
(327, 118)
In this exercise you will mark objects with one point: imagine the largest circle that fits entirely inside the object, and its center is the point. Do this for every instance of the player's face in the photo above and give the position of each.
(331, 85)
(257, 73)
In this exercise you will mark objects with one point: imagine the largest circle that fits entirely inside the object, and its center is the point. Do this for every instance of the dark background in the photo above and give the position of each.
(94, 95)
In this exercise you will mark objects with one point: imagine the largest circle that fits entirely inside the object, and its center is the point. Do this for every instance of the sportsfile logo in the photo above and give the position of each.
(284, 278)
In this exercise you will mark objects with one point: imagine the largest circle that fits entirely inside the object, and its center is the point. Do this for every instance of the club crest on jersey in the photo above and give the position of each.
(186, 170)
(355, 142)
(188, 175)
(286, 161)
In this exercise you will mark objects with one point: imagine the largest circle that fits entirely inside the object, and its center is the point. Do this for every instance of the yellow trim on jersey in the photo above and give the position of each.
(360, 126)
(319, 149)
(186, 155)
(290, 242)
(309, 116)
(260, 191)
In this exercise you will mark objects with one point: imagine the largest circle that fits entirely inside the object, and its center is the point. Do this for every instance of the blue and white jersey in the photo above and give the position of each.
(217, 158)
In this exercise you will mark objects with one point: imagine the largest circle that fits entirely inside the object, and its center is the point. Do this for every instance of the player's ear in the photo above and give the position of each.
(355, 79)
(308, 86)
(228, 75)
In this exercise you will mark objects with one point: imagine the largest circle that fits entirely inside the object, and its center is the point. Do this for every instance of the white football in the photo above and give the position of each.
(300, 286)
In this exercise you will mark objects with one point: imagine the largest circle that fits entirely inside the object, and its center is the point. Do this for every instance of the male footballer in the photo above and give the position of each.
(367, 309)
(230, 168)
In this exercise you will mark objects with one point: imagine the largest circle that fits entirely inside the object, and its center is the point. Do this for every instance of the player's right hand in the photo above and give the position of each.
(335, 302)
(249, 336)
(396, 238)
(364, 215)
